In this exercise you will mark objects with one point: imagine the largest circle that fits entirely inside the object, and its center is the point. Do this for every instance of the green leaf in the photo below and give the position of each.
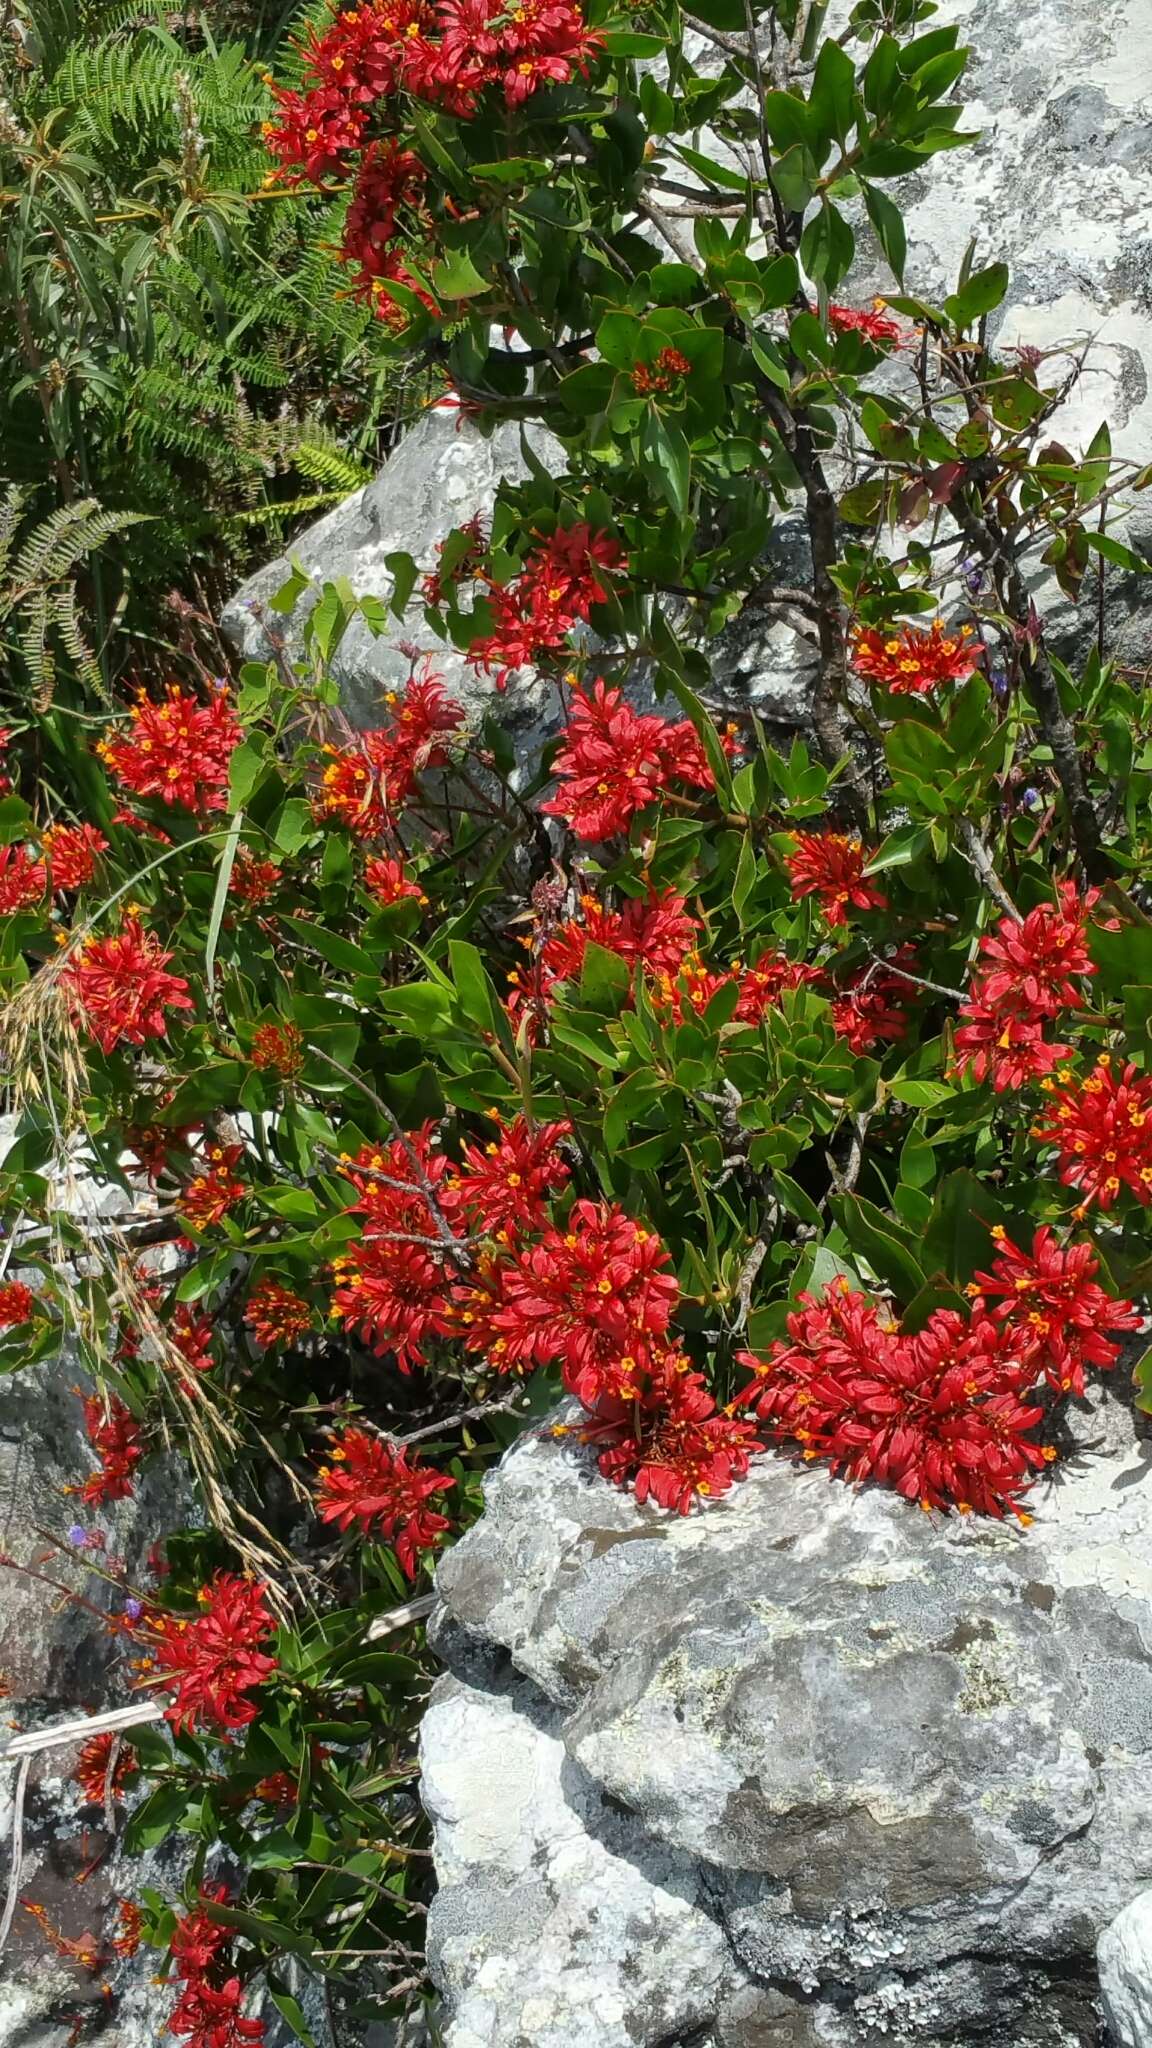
(981, 294)
(456, 277)
(244, 772)
(832, 95)
(957, 1237)
(219, 899)
(883, 1242)
(1114, 550)
(667, 461)
(478, 998)
(888, 227)
(827, 246)
(338, 951)
(290, 2008)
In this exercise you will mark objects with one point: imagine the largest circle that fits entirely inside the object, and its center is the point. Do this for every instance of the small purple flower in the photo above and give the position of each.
(999, 683)
(133, 1609)
(1029, 799)
(973, 575)
(78, 1537)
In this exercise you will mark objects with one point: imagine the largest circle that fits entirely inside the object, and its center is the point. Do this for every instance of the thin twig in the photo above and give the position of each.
(981, 860)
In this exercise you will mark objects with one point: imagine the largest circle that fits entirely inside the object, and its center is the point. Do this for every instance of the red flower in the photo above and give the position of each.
(363, 53)
(876, 327)
(73, 851)
(912, 663)
(615, 761)
(872, 1013)
(540, 43)
(120, 990)
(1102, 1128)
(363, 785)
(598, 1292)
(23, 880)
(252, 880)
(278, 1048)
(763, 984)
(938, 1416)
(17, 1304)
(1054, 1307)
(673, 1447)
(210, 1195)
(1029, 971)
(192, 1337)
(831, 867)
(665, 374)
(277, 1316)
(91, 1771)
(314, 134)
(389, 182)
(178, 750)
(1038, 961)
(208, 2016)
(387, 306)
(114, 1435)
(557, 587)
(380, 1489)
(394, 1286)
(656, 932)
(196, 1941)
(388, 881)
(507, 1185)
(126, 1942)
(213, 1664)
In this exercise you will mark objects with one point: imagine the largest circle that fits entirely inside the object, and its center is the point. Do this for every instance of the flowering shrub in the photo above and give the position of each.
(748, 1099)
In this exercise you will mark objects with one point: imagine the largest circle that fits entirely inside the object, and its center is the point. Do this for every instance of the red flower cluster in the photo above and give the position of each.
(72, 852)
(873, 1012)
(92, 1768)
(1054, 1307)
(378, 1488)
(595, 1297)
(278, 1049)
(214, 1663)
(210, 1195)
(388, 881)
(667, 1439)
(448, 57)
(875, 326)
(208, 2011)
(655, 932)
(763, 984)
(665, 374)
(830, 866)
(389, 191)
(394, 1284)
(505, 1186)
(364, 785)
(114, 1435)
(615, 761)
(119, 987)
(1030, 970)
(912, 663)
(17, 1304)
(178, 750)
(556, 589)
(23, 880)
(252, 880)
(1102, 1129)
(940, 1416)
(277, 1316)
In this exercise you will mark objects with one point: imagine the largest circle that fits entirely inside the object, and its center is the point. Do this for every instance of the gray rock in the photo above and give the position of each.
(443, 471)
(906, 1755)
(1124, 1954)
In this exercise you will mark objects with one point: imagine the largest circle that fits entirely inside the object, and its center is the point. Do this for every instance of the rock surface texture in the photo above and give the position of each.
(809, 1769)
